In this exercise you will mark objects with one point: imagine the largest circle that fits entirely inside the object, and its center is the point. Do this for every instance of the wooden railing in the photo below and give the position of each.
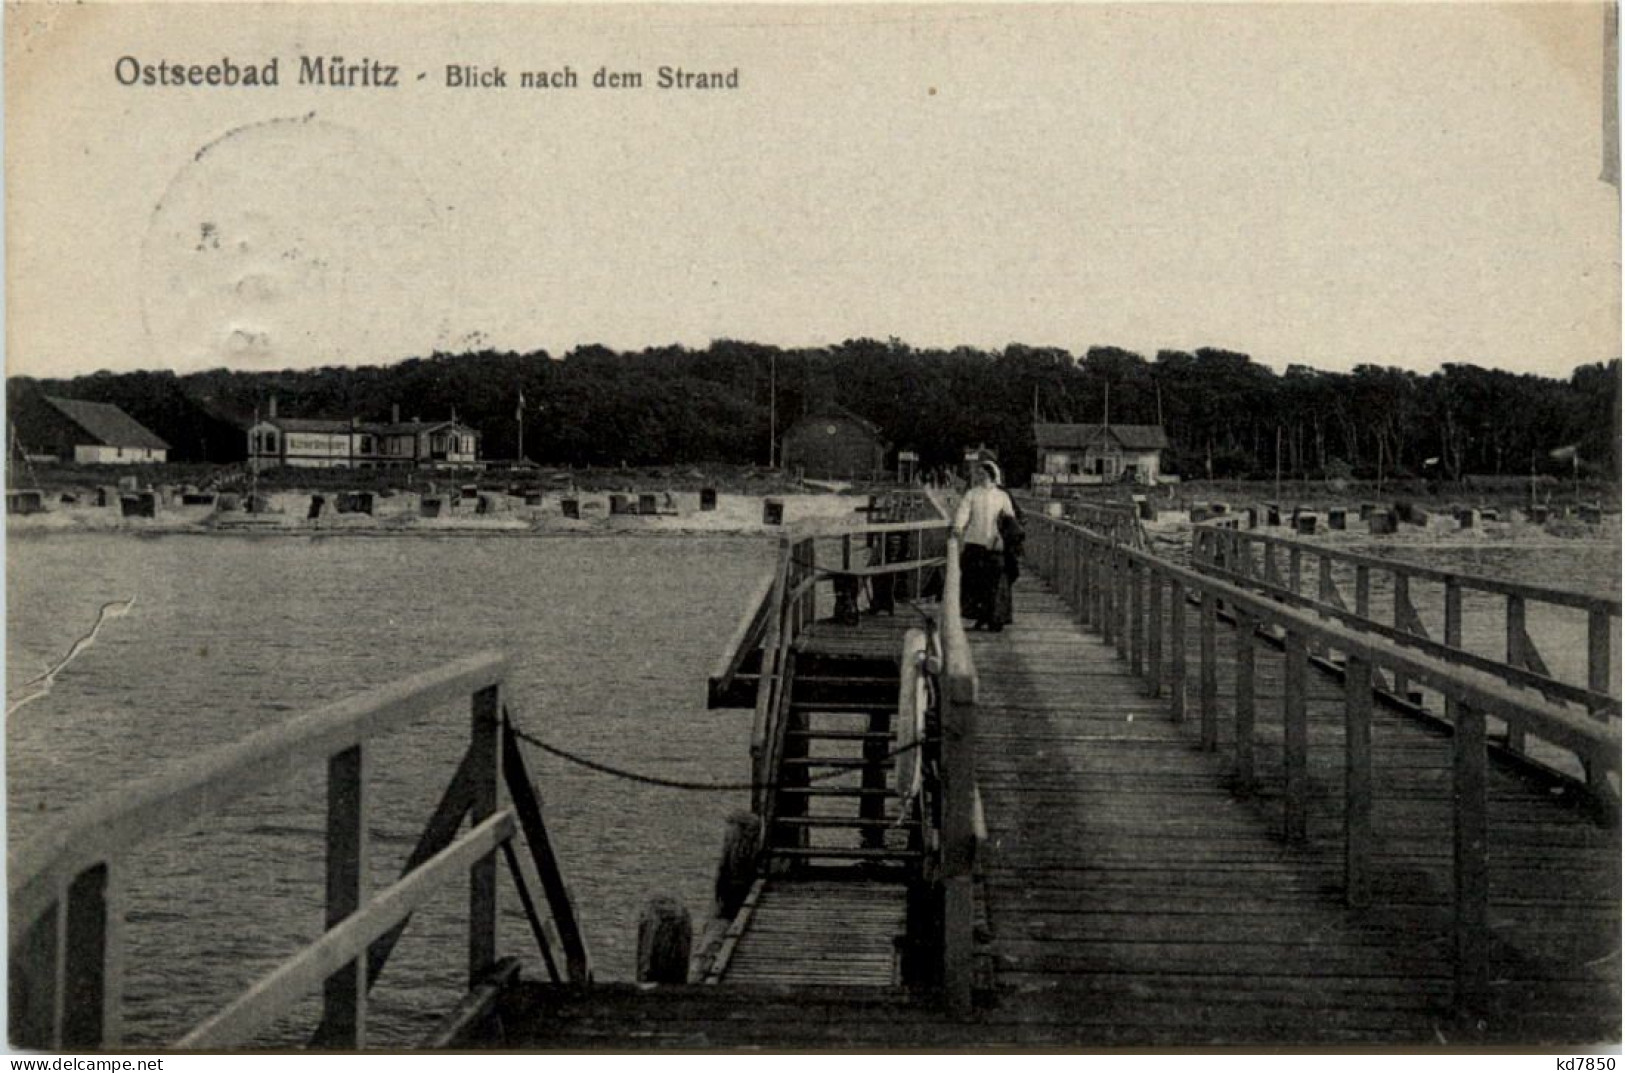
(1285, 568)
(1134, 599)
(66, 888)
(1117, 521)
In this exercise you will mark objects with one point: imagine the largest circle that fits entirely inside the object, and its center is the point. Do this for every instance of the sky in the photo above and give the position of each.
(1323, 184)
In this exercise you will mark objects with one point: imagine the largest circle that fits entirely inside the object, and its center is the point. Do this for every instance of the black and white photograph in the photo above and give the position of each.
(1084, 528)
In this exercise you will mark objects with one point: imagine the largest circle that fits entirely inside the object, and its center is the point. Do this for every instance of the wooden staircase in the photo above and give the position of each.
(838, 803)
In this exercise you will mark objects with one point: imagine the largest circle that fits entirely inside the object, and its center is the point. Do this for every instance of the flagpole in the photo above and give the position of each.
(519, 415)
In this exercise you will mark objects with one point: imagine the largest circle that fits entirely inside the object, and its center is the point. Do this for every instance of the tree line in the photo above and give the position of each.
(1226, 416)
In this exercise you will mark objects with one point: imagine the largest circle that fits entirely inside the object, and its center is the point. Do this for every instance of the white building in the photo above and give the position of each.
(1098, 454)
(336, 443)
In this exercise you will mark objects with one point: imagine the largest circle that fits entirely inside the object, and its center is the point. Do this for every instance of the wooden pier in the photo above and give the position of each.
(1162, 809)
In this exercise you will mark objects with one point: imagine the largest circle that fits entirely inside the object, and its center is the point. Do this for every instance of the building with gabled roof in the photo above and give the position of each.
(347, 442)
(74, 430)
(1098, 454)
(832, 443)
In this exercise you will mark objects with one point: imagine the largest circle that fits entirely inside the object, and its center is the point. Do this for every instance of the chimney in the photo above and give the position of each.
(394, 413)
(272, 413)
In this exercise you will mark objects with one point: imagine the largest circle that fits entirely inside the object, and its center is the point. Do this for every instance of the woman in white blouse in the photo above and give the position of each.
(981, 561)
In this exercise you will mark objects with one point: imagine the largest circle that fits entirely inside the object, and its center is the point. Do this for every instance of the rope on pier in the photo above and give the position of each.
(682, 784)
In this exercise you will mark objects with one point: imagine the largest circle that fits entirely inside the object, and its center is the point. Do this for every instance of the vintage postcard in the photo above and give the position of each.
(1078, 527)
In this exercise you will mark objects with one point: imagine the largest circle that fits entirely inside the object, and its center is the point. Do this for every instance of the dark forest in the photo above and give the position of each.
(1226, 415)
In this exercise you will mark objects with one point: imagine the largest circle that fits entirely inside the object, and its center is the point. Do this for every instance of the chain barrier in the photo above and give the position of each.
(682, 784)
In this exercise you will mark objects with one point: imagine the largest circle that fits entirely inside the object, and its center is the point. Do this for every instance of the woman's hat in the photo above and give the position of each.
(993, 471)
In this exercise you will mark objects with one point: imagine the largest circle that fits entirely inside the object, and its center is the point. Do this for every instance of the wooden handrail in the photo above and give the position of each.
(108, 828)
(279, 990)
(1472, 695)
(747, 635)
(66, 886)
(1544, 594)
(1228, 554)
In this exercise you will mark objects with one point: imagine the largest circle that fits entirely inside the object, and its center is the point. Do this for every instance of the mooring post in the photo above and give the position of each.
(665, 940)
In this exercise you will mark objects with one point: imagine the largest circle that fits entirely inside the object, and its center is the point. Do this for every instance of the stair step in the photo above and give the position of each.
(845, 821)
(852, 762)
(841, 735)
(845, 707)
(835, 791)
(813, 852)
(845, 679)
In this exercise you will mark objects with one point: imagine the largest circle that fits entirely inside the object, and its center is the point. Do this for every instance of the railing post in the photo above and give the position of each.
(1294, 568)
(1357, 780)
(1080, 581)
(1108, 596)
(1295, 716)
(1362, 590)
(83, 990)
(1472, 879)
(1598, 680)
(1120, 610)
(344, 995)
(958, 842)
(1097, 590)
(1153, 685)
(485, 763)
(1136, 616)
(1402, 601)
(1246, 765)
(1177, 642)
(1517, 657)
(1210, 671)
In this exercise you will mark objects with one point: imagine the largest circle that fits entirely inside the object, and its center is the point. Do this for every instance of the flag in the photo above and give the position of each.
(1567, 454)
(519, 411)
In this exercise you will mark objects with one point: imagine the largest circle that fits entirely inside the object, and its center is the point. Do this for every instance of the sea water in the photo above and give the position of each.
(611, 640)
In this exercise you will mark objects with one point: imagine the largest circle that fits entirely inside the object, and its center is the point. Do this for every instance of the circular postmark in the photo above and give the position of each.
(293, 243)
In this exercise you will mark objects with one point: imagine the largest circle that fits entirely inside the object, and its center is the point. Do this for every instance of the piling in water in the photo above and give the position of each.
(665, 939)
